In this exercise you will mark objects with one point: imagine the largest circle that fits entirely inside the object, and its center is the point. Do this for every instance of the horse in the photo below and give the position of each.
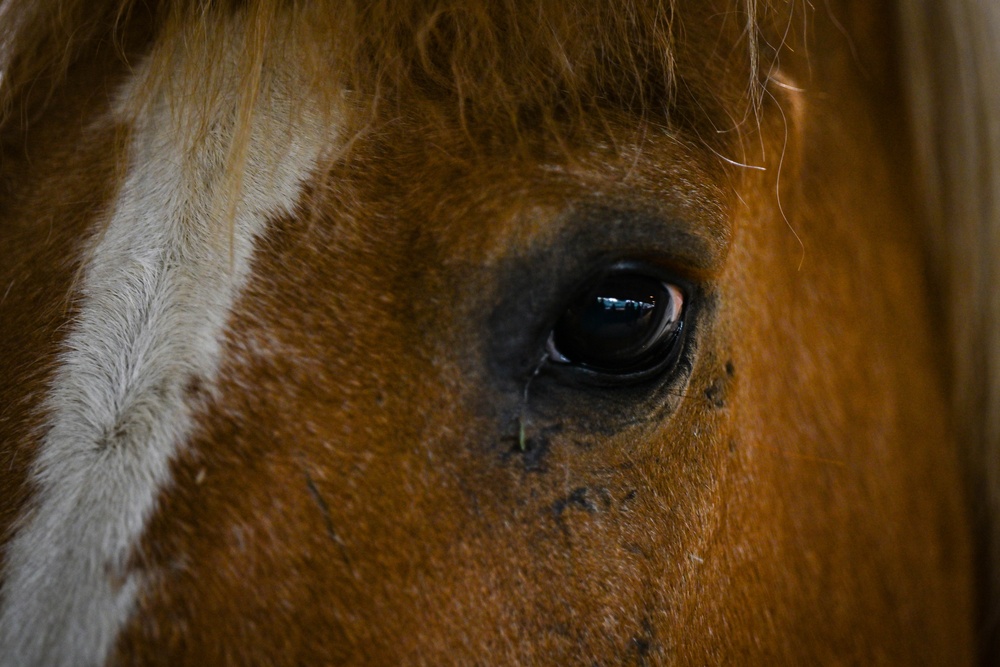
(511, 332)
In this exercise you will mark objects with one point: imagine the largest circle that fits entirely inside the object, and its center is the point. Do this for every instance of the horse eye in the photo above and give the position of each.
(627, 324)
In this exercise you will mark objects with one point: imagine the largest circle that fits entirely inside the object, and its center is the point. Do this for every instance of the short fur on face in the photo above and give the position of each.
(287, 397)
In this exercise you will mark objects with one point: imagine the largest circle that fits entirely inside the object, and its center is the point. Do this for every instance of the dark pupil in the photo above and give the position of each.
(616, 324)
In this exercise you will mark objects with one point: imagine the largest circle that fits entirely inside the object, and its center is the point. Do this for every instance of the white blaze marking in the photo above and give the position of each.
(155, 298)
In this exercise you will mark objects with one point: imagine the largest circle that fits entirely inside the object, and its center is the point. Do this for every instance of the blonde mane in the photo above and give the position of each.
(540, 64)
(952, 66)
(519, 70)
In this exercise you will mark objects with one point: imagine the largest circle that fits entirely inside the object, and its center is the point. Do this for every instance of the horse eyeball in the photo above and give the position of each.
(628, 323)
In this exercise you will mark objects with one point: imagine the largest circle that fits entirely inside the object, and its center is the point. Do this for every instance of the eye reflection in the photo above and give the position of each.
(625, 324)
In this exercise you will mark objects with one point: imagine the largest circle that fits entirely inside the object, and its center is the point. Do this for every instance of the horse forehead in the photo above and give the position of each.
(426, 206)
